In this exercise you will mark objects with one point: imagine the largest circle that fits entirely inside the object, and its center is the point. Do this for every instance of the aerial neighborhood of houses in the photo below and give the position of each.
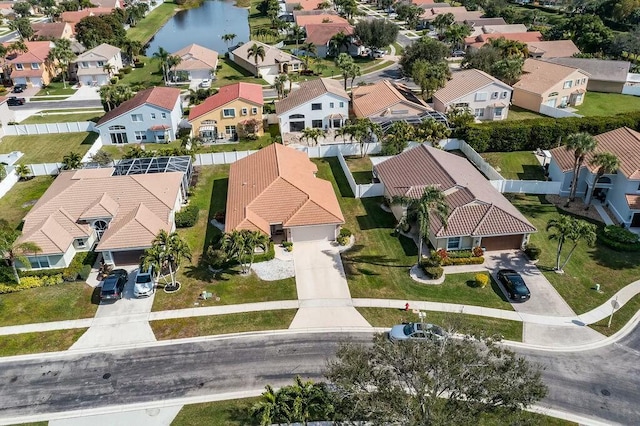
(327, 153)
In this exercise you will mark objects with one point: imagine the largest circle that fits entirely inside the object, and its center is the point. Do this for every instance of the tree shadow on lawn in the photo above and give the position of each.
(376, 218)
(611, 259)
(531, 172)
(90, 139)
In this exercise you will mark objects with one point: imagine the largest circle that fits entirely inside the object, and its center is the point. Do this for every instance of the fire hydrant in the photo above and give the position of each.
(406, 306)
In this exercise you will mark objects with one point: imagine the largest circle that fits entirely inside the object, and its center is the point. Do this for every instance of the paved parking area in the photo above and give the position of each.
(545, 300)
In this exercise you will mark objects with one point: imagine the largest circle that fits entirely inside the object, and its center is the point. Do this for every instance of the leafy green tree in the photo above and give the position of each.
(430, 76)
(432, 201)
(154, 257)
(442, 22)
(451, 383)
(587, 31)
(510, 48)
(71, 161)
(258, 53)
(432, 131)
(497, 61)
(23, 27)
(581, 144)
(22, 9)
(309, 50)
(338, 43)
(363, 131)
(11, 251)
(606, 163)
(297, 32)
(508, 70)
(427, 49)
(94, 30)
(459, 118)
(455, 35)
(376, 33)
(396, 138)
(409, 13)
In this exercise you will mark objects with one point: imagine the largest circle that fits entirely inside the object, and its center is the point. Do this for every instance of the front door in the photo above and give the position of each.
(635, 222)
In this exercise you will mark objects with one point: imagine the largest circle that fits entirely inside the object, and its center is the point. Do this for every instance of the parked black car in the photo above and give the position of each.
(13, 101)
(18, 89)
(514, 284)
(113, 285)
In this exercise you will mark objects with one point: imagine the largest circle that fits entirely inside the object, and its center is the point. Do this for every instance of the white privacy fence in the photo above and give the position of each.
(45, 169)
(556, 112)
(527, 186)
(628, 89)
(49, 128)
(360, 190)
(478, 161)
(7, 183)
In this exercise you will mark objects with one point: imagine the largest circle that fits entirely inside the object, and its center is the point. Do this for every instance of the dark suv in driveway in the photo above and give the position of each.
(113, 285)
(514, 284)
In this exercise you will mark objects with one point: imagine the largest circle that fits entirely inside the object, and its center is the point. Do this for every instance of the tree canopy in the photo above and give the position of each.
(376, 33)
(94, 30)
(427, 49)
(588, 32)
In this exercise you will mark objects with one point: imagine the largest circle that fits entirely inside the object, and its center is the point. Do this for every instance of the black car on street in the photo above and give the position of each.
(13, 101)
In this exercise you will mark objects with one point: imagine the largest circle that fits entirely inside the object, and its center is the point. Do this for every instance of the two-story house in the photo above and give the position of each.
(95, 67)
(321, 103)
(544, 84)
(486, 97)
(620, 190)
(152, 115)
(234, 110)
(386, 99)
(32, 68)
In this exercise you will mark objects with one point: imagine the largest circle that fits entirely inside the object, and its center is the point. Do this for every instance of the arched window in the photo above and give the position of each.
(604, 179)
(100, 226)
(294, 116)
(117, 127)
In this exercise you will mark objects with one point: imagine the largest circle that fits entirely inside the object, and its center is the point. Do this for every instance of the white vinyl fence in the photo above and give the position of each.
(94, 148)
(556, 112)
(7, 183)
(45, 169)
(360, 190)
(527, 186)
(479, 162)
(49, 128)
(628, 89)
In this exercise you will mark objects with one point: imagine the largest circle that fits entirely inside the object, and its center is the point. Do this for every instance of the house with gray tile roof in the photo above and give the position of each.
(480, 216)
(604, 75)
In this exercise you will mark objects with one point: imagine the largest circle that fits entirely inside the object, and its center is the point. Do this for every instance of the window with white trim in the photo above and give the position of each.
(244, 111)
(567, 84)
(153, 115)
(141, 135)
(136, 117)
(35, 66)
(316, 107)
(228, 113)
(254, 111)
(494, 95)
(453, 243)
(230, 130)
(39, 261)
(19, 67)
(504, 95)
(163, 115)
(101, 64)
(341, 104)
(481, 96)
(331, 105)
(479, 112)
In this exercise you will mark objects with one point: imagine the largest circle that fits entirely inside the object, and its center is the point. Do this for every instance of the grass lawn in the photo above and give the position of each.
(32, 343)
(47, 148)
(56, 88)
(210, 195)
(222, 324)
(378, 265)
(596, 104)
(518, 165)
(232, 73)
(460, 323)
(588, 266)
(620, 317)
(62, 118)
(150, 25)
(149, 75)
(361, 169)
(517, 113)
(19, 200)
(56, 303)
(399, 49)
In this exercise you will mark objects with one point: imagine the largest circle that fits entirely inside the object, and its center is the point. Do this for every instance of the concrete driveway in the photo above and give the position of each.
(545, 300)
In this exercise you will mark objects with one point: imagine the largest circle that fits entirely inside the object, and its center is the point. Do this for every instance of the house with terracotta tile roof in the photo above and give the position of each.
(92, 209)
(606, 76)
(228, 113)
(552, 49)
(91, 68)
(275, 61)
(197, 62)
(548, 84)
(152, 115)
(51, 30)
(302, 19)
(74, 16)
(322, 103)
(320, 36)
(32, 68)
(620, 190)
(480, 40)
(480, 216)
(292, 5)
(276, 191)
(386, 99)
(486, 97)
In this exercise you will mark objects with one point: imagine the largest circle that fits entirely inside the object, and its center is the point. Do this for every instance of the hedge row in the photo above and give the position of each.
(544, 133)
(474, 260)
(269, 255)
(187, 217)
(32, 282)
(619, 239)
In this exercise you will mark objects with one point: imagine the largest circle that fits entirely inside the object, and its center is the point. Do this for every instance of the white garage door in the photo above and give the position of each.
(313, 233)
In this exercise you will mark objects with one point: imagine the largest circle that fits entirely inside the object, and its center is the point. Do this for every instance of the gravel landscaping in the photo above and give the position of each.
(273, 270)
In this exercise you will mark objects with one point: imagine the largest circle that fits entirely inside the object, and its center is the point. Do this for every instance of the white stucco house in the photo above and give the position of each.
(197, 62)
(275, 61)
(321, 103)
(486, 97)
(95, 67)
(152, 115)
(620, 191)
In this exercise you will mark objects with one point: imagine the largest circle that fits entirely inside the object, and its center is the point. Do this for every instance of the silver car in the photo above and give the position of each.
(144, 285)
(416, 331)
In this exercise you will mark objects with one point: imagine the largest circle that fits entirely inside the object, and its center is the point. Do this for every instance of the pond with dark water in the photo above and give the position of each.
(204, 25)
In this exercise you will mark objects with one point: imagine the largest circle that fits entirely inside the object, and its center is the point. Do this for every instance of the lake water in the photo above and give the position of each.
(205, 26)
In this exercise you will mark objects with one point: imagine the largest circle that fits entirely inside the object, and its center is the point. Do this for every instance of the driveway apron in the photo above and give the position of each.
(322, 288)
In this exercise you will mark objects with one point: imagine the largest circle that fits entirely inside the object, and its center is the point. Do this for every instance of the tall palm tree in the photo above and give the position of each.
(297, 32)
(71, 161)
(174, 250)
(278, 84)
(342, 132)
(254, 240)
(109, 69)
(256, 52)
(309, 49)
(228, 38)
(234, 246)
(312, 134)
(132, 49)
(12, 251)
(62, 55)
(309, 400)
(561, 227)
(396, 137)
(154, 257)
(582, 231)
(606, 163)
(581, 144)
(172, 62)
(443, 21)
(163, 56)
(338, 42)
(273, 407)
(431, 202)
(455, 35)
(432, 131)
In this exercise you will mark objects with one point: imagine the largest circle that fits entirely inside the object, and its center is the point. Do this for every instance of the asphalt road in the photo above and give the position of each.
(42, 105)
(602, 383)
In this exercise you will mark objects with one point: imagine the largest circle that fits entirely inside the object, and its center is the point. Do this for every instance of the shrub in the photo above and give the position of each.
(343, 240)
(462, 261)
(84, 273)
(619, 239)
(460, 253)
(187, 217)
(532, 251)
(113, 80)
(432, 261)
(477, 251)
(31, 282)
(482, 280)
(126, 70)
(345, 232)
(220, 216)
(76, 269)
(288, 246)
(268, 255)
(139, 64)
(433, 272)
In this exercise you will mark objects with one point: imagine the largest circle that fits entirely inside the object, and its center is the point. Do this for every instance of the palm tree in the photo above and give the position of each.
(363, 131)
(62, 54)
(443, 21)
(341, 132)
(71, 161)
(312, 134)
(132, 48)
(581, 144)
(561, 227)
(339, 41)
(606, 163)
(396, 137)
(273, 407)
(163, 56)
(432, 201)
(309, 401)
(109, 69)
(432, 131)
(174, 250)
(172, 62)
(582, 231)
(455, 35)
(23, 171)
(278, 84)
(154, 257)
(344, 62)
(228, 39)
(12, 251)
(234, 246)
(256, 52)
(297, 33)
(309, 49)
(254, 240)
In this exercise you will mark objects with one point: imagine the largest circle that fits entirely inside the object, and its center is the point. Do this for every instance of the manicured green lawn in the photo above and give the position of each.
(229, 413)
(56, 303)
(47, 148)
(147, 76)
(361, 169)
(19, 200)
(151, 23)
(378, 265)
(32, 343)
(57, 88)
(620, 317)
(517, 113)
(459, 323)
(222, 324)
(210, 195)
(596, 104)
(588, 266)
(518, 165)
(399, 49)
(62, 118)
(232, 73)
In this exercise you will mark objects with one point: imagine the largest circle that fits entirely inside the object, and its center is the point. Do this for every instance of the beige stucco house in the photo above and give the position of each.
(275, 60)
(95, 67)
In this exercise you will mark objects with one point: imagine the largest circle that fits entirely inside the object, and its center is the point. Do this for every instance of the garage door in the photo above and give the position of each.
(131, 257)
(506, 242)
(313, 233)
